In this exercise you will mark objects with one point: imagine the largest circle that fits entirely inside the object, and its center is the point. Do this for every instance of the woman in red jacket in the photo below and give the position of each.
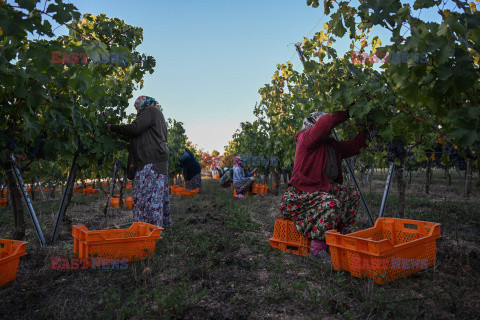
(315, 198)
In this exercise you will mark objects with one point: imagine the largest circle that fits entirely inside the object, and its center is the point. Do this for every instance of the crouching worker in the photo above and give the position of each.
(315, 199)
(227, 178)
(192, 171)
(242, 180)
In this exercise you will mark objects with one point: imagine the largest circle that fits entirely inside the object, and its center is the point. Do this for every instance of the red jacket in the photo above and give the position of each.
(311, 153)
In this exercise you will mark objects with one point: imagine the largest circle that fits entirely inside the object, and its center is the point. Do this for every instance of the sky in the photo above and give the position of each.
(212, 56)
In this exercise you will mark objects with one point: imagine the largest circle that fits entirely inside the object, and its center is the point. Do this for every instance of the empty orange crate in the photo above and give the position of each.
(287, 238)
(10, 253)
(179, 190)
(95, 191)
(115, 203)
(87, 191)
(77, 190)
(392, 249)
(134, 243)
(188, 193)
(3, 202)
(129, 202)
(259, 188)
(129, 187)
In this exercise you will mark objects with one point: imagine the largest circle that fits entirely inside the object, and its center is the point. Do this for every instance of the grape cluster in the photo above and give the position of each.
(457, 160)
(437, 152)
(36, 149)
(411, 164)
(396, 150)
(12, 144)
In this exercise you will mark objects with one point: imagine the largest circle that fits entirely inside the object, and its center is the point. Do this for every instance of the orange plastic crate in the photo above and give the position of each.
(129, 202)
(115, 203)
(10, 253)
(287, 238)
(188, 193)
(3, 202)
(179, 190)
(5, 193)
(87, 191)
(216, 176)
(259, 188)
(95, 191)
(129, 187)
(134, 243)
(392, 249)
(77, 190)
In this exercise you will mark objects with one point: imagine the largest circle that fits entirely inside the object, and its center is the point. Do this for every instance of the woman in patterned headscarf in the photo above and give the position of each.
(149, 152)
(315, 199)
(242, 180)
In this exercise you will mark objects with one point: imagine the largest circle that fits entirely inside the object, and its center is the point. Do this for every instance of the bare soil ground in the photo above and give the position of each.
(215, 262)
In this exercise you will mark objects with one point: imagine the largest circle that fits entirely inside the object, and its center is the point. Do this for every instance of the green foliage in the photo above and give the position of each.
(177, 141)
(50, 111)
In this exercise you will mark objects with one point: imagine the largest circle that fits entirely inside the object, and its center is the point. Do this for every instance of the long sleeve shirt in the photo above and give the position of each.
(148, 138)
(240, 174)
(312, 151)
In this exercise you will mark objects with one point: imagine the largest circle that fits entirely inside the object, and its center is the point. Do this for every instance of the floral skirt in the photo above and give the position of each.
(316, 212)
(243, 185)
(194, 183)
(151, 200)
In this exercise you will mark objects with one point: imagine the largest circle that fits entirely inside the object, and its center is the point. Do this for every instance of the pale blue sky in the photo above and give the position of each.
(213, 55)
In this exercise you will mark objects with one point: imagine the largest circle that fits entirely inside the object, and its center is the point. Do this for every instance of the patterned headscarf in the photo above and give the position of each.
(309, 122)
(238, 162)
(145, 101)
